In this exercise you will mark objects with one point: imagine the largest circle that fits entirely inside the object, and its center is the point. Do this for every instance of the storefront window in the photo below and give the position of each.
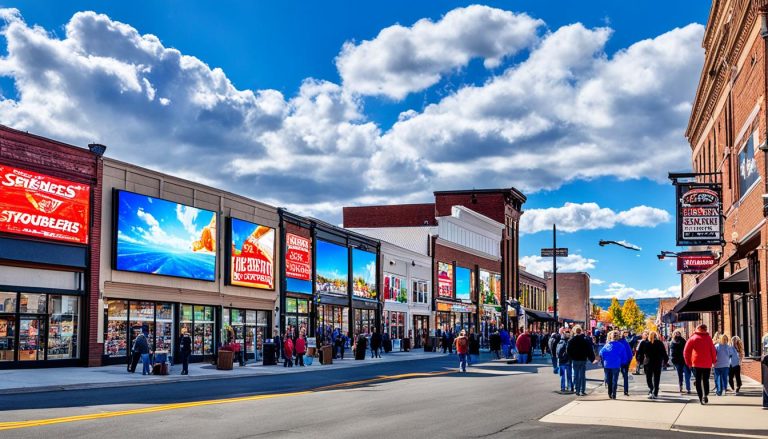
(420, 291)
(125, 320)
(8, 303)
(32, 304)
(63, 326)
(116, 334)
(394, 324)
(251, 327)
(7, 337)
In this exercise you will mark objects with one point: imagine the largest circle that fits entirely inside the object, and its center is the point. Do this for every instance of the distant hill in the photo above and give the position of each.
(648, 306)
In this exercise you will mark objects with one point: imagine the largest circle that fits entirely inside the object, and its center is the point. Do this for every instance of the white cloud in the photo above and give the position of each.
(186, 216)
(596, 281)
(538, 265)
(572, 217)
(402, 60)
(157, 236)
(622, 291)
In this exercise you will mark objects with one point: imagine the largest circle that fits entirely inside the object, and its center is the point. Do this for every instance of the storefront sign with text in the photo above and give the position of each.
(253, 250)
(698, 214)
(298, 257)
(694, 263)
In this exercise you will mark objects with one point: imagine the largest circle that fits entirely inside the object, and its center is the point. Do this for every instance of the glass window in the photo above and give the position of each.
(32, 304)
(116, 333)
(291, 305)
(63, 327)
(748, 174)
(8, 303)
(164, 332)
(7, 337)
(303, 307)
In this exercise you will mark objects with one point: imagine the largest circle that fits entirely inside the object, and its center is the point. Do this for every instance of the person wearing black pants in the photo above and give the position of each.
(702, 381)
(653, 356)
(185, 350)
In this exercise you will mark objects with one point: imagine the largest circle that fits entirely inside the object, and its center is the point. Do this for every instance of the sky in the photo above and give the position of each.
(317, 105)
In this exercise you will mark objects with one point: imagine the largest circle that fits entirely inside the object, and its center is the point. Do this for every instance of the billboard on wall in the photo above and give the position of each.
(364, 274)
(298, 263)
(444, 280)
(252, 255)
(463, 284)
(693, 262)
(490, 288)
(41, 206)
(332, 268)
(157, 236)
(698, 214)
(395, 288)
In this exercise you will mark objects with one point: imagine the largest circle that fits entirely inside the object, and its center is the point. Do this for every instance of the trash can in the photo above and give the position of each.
(269, 355)
(225, 359)
(326, 354)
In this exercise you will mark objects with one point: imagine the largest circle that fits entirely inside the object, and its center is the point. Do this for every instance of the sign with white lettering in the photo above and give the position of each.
(698, 214)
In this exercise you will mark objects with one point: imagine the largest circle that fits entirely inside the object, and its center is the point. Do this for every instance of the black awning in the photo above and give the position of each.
(736, 283)
(365, 304)
(540, 316)
(673, 317)
(325, 299)
(704, 297)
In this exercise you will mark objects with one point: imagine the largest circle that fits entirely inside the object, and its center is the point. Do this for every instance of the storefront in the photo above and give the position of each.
(46, 231)
(455, 316)
(169, 272)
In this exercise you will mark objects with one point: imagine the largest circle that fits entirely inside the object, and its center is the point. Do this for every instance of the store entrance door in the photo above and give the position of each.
(31, 330)
(420, 330)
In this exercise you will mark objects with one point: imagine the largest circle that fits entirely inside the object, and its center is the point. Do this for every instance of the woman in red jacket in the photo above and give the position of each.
(301, 349)
(700, 356)
(288, 352)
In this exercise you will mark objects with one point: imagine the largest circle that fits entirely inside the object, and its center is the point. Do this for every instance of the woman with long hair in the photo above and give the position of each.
(722, 364)
(737, 354)
(676, 347)
(612, 354)
(653, 357)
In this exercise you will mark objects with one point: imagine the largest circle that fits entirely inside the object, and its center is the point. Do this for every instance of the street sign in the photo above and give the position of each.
(561, 252)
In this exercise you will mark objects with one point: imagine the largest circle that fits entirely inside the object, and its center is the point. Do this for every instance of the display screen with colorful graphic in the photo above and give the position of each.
(37, 205)
(463, 284)
(157, 236)
(298, 264)
(490, 288)
(364, 274)
(444, 280)
(332, 268)
(395, 288)
(252, 255)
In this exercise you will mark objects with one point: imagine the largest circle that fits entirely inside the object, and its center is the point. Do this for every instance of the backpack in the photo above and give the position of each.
(562, 352)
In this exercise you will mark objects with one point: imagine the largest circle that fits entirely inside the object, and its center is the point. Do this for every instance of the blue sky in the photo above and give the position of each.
(332, 261)
(317, 105)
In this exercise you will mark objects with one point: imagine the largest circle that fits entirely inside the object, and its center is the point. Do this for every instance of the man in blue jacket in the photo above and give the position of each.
(627, 359)
(505, 342)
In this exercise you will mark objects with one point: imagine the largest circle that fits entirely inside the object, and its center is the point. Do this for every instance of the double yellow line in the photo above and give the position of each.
(184, 405)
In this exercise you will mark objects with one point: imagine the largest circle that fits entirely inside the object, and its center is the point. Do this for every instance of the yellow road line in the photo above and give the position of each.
(13, 425)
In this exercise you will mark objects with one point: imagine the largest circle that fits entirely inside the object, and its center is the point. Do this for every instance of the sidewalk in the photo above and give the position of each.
(732, 415)
(42, 380)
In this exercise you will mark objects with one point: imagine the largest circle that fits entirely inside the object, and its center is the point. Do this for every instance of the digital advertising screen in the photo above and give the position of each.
(444, 280)
(490, 288)
(45, 207)
(332, 268)
(298, 264)
(463, 283)
(252, 255)
(364, 274)
(157, 236)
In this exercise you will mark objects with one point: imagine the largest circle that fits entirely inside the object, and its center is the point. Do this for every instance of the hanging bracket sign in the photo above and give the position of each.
(699, 214)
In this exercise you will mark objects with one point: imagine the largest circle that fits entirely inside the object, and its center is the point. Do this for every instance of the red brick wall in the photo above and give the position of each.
(572, 294)
(491, 205)
(467, 260)
(95, 349)
(401, 215)
(297, 230)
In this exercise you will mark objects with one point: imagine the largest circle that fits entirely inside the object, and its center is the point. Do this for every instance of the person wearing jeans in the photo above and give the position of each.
(580, 351)
(462, 348)
(612, 355)
(145, 364)
(676, 346)
(626, 362)
(722, 364)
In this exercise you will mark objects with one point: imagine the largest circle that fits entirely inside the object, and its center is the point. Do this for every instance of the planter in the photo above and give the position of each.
(225, 360)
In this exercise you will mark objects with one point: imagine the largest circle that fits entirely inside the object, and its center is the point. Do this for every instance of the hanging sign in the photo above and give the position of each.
(699, 219)
(689, 263)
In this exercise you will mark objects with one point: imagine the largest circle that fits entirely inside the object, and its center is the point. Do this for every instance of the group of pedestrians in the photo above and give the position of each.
(294, 349)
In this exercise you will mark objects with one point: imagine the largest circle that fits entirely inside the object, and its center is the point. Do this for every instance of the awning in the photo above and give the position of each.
(704, 297)
(673, 317)
(736, 283)
(540, 316)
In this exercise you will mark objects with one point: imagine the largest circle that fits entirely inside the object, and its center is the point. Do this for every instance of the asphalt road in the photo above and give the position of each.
(402, 399)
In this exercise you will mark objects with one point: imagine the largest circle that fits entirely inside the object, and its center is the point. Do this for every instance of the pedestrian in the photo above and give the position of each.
(141, 345)
(504, 335)
(737, 355)
(626, 362)
(185, 350)
(722, 364)
(564, 363)
(553, 341)
(524, 347)
(544, 343)
(676, 347)
(301, 348)
(580, 351)
(700, 355)
(288, 351)
(653, 355)
(474, 346)
(611, 355)
(462, 348)
(494, 342)
(376, 343)
(640, 345)
(451, 337)
(444, 340)
(133, 360)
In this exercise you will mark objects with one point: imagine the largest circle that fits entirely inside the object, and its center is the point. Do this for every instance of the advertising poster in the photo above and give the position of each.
(332, 268)
(156, 236)
(444, 280)
(364, 274)
(395, 289)
(698, 214)
(252, 255)
(694, 263)
(298, 263)
(37, 205)
(463, 284)
(490, 288)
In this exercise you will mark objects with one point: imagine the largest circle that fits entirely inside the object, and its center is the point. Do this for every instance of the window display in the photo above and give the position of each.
(125, 319)
(199, 322)
(7, 337)
(116, 334)
(250, 327)
(62, 326)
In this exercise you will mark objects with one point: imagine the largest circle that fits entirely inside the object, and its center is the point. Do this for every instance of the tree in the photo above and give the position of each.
(650, 325)
(615, 313)
(595, 312)
(634, 317)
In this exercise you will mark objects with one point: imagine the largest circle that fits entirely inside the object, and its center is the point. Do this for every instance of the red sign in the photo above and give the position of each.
(298, 257)
(444, 280)
(694, 263)
(45, 207)
(252, 261)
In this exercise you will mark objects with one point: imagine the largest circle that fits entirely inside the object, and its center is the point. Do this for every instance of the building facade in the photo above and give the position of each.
(573, 304)
(727, 134)
(50, 219)
(535, 301)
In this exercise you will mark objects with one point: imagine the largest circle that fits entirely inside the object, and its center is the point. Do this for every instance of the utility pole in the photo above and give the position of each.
(554, 269)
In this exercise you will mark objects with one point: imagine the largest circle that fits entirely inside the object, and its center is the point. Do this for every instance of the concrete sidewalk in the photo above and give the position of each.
(42, 380)
(731, 415)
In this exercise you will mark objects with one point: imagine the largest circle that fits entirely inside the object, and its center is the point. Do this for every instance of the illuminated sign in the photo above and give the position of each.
(252, 255)
(37, 205)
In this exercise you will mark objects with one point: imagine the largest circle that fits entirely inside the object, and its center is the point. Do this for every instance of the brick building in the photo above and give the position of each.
(534, 299)
(50, 220)
(503, 206)
(573, 304)
(727, 133)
